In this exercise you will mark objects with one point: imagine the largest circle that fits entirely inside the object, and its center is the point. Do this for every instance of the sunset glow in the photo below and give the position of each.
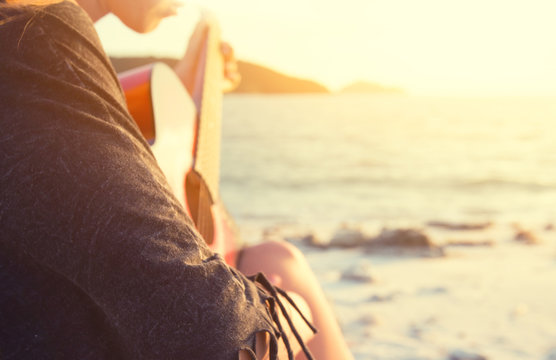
(437, 47)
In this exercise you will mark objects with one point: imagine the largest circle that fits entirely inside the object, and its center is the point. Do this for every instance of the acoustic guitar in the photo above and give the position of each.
(181, 120)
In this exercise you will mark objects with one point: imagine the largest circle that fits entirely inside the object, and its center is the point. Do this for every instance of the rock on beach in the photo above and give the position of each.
(404, 242)
(402, 238)
(346, 237)
(460, 226)
(306, 239)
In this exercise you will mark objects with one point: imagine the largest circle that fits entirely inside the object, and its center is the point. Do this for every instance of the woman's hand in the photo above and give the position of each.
(232, 77)
(186, 67)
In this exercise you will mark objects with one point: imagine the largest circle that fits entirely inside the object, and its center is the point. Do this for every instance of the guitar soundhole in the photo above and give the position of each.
(199, 203)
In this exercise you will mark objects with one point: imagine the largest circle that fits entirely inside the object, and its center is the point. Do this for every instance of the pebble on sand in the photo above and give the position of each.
(464, 355)
(519, 310)
(526, 237)
(369, 320)
(551, 355)
(383, 298)
(360, 272)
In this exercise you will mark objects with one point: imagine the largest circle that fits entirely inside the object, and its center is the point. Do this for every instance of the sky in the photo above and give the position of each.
(428, 47)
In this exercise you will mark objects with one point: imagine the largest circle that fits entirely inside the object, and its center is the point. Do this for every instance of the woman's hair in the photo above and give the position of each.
(28, 2)
(7, 5)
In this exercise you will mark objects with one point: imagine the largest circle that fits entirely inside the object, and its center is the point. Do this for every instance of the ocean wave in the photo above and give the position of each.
(508, 184)
(400, 183)
(313, 182)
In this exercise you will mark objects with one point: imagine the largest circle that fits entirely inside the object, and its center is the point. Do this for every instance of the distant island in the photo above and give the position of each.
(370, 88)
(259, 79)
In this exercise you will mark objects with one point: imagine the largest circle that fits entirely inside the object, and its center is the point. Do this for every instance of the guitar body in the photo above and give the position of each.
(184, 131)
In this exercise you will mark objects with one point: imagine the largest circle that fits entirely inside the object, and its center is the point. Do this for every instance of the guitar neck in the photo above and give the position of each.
(155, 106)
(204, 59)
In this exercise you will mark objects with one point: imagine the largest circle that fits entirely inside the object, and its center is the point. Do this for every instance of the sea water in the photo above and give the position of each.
(323, 160)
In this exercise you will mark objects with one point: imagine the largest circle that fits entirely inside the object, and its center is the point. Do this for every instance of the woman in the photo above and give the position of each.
(97, 257)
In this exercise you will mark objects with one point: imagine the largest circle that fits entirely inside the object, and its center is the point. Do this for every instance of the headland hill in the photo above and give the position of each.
(262, 80)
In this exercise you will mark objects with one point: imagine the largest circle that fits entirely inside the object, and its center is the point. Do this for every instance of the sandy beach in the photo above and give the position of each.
(494, 300)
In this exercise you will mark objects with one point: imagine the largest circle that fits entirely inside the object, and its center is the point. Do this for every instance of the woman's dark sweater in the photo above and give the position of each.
(97, 258)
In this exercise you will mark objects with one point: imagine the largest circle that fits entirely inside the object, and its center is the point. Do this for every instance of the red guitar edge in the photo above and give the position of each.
(181, 118)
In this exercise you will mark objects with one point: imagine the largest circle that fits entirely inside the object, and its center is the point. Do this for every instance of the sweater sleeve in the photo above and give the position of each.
(82, 195)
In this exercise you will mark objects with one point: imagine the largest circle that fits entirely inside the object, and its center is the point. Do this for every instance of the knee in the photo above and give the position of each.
(271, 257)
(284, 251)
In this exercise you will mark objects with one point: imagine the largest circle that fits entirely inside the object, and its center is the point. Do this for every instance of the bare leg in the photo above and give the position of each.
(285, 261)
